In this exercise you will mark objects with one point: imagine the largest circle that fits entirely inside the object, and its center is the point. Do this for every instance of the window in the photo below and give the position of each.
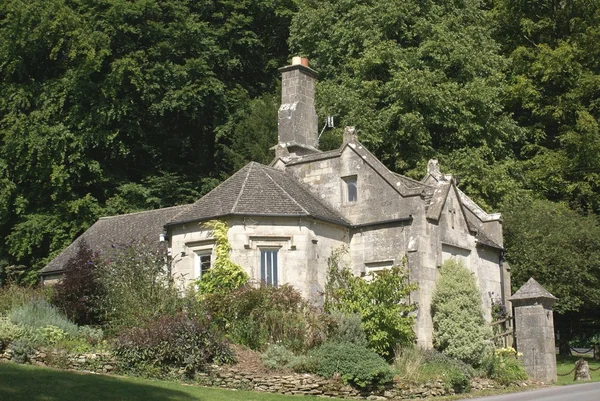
(373, 268)
(202, 263)
(268, 267)
(351, 189)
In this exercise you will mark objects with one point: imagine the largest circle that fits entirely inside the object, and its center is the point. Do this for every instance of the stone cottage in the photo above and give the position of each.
(287, 218)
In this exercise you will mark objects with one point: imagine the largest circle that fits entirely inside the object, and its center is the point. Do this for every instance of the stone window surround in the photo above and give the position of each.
(349, 188)
(376, 267)
(198, 249)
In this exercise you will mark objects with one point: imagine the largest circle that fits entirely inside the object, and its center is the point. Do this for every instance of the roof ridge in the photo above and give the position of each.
(142, 212)
(381, 169)
(251, 164)
(284, 191)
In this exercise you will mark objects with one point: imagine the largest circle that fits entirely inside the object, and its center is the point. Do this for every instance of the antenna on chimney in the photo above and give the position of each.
(328, 124)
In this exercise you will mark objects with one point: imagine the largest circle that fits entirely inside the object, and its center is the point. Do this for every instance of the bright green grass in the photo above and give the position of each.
(565, 364)
(31, 383)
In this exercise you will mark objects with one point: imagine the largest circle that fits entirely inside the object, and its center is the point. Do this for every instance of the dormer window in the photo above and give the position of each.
(351, 189)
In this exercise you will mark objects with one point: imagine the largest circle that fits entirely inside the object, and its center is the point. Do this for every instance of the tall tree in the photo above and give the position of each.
(561, 250)
(111, 106)
(419, 79)
(554, 94)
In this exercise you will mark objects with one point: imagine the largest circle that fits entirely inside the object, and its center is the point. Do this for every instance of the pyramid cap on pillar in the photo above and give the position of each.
(532, 290)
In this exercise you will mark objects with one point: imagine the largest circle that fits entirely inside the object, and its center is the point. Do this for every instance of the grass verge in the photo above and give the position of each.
(32, 383)
(564, 364)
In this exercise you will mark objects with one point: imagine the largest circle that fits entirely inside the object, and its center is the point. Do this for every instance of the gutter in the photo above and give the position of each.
(382, 222)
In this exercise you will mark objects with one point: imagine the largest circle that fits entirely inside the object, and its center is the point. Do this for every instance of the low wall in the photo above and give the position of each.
(230, 377)
(307, 384)
(84, 362)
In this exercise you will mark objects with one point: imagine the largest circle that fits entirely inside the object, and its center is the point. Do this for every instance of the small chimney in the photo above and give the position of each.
(297, 120)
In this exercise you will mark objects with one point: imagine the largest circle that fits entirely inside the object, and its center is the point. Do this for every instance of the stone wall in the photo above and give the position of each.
(232, 378)
(307, 384)
(83, 362)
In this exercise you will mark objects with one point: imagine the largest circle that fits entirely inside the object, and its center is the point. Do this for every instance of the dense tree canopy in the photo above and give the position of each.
(113, 106)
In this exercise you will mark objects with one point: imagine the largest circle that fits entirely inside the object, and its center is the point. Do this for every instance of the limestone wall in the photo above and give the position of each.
(84, 362)
(232, 378)
(303, 246)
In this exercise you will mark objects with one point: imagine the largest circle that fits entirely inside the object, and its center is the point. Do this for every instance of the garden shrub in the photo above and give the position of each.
(80, 291)
(459, 329)
(21, 349)
(51, 335)
(138, 287)
(356, 365)
(13, 296)
(255, 317)
(8, 332)
(277, 356)
(455, 373)
(346, 328)
(171, 342)
(38, 314)
(407, 363)
(381, 303)
(504, 366)
(92, 335)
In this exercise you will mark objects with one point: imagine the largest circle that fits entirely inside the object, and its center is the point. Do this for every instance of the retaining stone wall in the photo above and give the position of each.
(84, 362)
(230, 377)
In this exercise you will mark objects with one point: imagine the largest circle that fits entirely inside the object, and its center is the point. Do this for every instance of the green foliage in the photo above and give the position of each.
(455, 373)
(346, 328)
(419, 78)
(255, 317)
(8, 332)
(417, 365)
(407, 363)
(39, 314)
(559, 248)
(171, 342)
(13, 296)
(381, 302)
(278, 356)
(137, 284)
(79, 291)
(355, 364)
(51, 335)
(504, 366)
(21, 349)
(553, 92)
(224, 275)
(91, 92)
(459, 329)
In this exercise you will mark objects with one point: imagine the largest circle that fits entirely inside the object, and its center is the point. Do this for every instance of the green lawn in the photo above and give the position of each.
(31, 383)
(565, 364)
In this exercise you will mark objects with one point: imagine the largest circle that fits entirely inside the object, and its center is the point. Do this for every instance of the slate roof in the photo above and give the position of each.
(483, 239)
(260, 191)
(531, 290)
(120, 229)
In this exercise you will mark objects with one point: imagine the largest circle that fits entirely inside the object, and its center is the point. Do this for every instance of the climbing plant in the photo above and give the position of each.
(224, 275)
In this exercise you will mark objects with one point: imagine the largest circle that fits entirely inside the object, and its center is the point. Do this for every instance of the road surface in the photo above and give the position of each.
(574, 392)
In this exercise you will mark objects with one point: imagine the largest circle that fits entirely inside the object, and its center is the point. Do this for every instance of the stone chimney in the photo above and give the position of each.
(297, 122)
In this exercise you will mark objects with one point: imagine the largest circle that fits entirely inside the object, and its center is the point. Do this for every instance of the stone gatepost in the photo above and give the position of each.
(534, 330)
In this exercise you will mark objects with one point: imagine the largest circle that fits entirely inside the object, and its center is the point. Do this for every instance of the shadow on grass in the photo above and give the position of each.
(28, 383)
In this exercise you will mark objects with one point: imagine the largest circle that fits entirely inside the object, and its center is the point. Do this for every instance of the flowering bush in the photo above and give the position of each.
(507, 352)
(504, 366)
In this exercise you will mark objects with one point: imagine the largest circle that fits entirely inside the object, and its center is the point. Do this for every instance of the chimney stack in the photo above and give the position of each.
(297, 121)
